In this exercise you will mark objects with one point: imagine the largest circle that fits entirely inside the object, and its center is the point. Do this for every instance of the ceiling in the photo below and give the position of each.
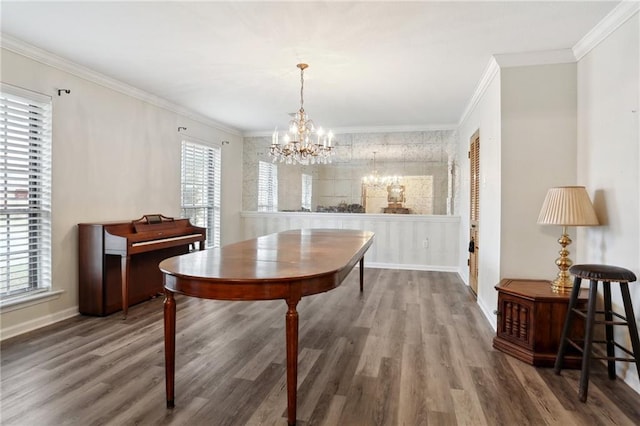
(372, 64)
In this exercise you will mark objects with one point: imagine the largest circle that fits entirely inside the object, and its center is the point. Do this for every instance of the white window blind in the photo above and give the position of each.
(267, 187)
(25, 192)
(306, 191)
(201, 188)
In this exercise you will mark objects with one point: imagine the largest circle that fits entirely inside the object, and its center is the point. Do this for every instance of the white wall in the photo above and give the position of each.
(418, 242)
(609, 157)
(538, 110)
(115, 157)
(484, 116)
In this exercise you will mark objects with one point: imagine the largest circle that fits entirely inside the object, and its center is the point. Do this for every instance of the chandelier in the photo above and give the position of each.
(377, 181)
(303, 144)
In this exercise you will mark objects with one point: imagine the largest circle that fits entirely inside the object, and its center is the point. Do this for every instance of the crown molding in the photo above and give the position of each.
(47, 58)
(487, 77)
(618, 16)
(543, 57)
(370, 129)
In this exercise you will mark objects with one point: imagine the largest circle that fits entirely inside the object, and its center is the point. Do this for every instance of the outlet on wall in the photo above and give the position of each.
(425, 243)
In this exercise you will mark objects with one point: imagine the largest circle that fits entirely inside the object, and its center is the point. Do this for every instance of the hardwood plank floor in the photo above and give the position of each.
(413, 349)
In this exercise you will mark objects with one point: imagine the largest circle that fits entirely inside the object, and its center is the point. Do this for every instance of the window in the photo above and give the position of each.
(267, 187)
(201, 188)
(25, 192)
(306, 192)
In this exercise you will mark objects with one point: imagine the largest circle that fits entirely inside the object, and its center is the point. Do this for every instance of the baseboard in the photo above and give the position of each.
(36, 323)
(489, 315)
(435, 268)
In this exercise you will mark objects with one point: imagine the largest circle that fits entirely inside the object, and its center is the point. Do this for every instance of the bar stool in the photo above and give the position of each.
(606, 274)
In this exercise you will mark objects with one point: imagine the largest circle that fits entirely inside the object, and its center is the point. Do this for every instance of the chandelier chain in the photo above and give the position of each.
(302, 88)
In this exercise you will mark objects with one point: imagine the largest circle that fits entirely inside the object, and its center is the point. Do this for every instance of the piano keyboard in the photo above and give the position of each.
(164, 240)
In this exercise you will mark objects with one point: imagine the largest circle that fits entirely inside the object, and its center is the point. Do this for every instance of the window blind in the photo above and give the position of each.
(307, 181)
(267, 187)
(25, 192)
(200, 173)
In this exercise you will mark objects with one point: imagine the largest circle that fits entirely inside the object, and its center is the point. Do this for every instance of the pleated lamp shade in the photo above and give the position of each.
(567, 206)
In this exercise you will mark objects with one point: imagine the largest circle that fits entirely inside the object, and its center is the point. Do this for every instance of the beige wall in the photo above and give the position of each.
(609, 159)
(115, 157)
(538, 151)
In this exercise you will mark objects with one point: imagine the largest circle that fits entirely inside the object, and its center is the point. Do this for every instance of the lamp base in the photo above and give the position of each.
(562, 283)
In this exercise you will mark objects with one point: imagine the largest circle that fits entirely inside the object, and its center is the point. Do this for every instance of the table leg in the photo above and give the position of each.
(124, 277)
(292, 359)
(169, 345)
(362, 274)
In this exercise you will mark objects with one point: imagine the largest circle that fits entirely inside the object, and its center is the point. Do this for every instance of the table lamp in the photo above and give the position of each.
(566, 206)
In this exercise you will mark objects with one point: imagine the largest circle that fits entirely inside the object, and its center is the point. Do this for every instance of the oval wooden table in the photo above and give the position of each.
(287, 265)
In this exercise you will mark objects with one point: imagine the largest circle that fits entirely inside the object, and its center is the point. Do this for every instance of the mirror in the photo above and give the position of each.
(420, 164)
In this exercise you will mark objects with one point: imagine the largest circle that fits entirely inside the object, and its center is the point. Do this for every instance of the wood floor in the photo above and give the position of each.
(414, 349)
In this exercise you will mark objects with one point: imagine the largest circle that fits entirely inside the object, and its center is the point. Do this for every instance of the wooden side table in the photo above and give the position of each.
(530, 320)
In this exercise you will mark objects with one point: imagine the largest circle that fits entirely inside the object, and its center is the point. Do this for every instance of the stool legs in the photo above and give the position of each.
(596, 274)
(631, 323)
(608, 318)
(588, 341)
(573, 300)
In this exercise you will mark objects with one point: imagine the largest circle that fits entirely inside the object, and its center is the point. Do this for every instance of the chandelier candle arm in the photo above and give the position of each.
(298, 144)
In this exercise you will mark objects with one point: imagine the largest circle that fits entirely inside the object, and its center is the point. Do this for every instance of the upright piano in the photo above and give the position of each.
(118, 261)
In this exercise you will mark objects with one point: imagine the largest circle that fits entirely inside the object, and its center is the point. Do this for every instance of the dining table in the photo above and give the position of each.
(286, 265)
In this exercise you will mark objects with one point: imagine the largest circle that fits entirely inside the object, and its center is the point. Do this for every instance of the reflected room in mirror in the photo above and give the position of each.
(416, 172)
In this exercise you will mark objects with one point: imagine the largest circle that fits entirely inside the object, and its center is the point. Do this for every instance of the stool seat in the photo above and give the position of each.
(596, 274)
(603, 273)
